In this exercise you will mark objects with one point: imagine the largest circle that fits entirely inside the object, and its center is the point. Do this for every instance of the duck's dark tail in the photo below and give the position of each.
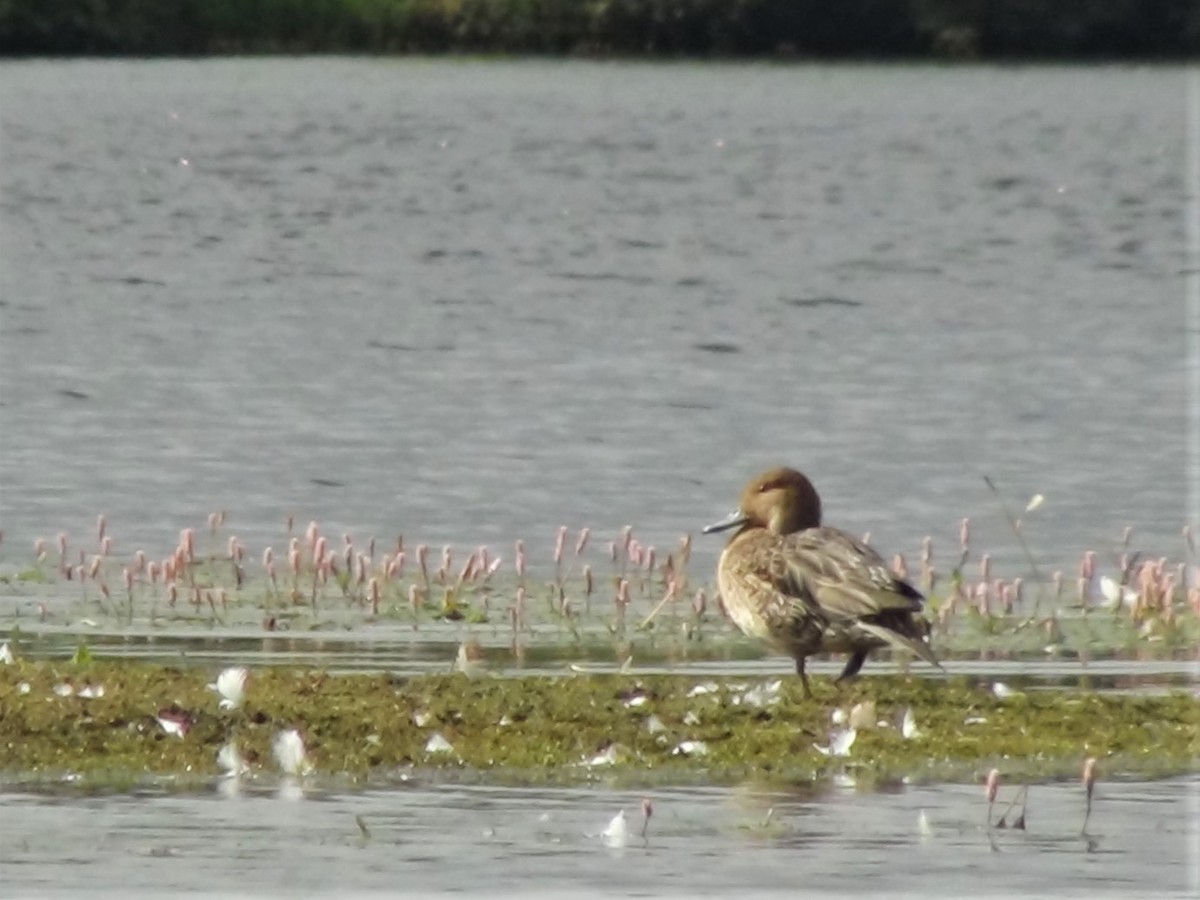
(893, 638)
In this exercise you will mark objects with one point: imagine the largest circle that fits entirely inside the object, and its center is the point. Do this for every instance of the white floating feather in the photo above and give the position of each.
(231, 685)
(617, 832)
(840, 743)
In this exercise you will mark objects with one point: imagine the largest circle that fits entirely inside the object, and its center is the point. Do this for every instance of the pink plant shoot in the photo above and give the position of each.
(423, 561)
(623, 598)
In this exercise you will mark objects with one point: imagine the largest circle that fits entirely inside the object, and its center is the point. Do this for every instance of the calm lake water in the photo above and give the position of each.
(469, 301)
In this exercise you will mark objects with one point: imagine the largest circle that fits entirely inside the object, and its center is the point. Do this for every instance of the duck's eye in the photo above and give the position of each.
(765, 486)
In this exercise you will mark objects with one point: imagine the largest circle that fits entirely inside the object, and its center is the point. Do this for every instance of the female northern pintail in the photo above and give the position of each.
(807, 588)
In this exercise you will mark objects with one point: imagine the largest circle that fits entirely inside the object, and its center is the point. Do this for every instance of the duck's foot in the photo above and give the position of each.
(853, 664)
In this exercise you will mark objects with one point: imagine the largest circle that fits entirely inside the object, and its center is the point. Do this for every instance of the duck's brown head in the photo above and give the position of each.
(781, 500)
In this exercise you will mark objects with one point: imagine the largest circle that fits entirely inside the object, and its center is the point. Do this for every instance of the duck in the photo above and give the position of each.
(806, 588)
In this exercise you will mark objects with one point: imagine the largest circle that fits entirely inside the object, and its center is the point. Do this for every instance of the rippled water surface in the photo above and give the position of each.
(469, 301)
(710, 841)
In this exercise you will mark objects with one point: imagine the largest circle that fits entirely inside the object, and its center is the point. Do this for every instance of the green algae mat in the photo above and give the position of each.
(94, 717)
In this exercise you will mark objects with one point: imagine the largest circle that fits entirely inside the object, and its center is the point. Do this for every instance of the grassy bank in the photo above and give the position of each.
(121, 720)
(854, 28)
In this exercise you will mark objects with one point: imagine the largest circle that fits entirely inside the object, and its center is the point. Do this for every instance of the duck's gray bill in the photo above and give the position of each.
(733, 520)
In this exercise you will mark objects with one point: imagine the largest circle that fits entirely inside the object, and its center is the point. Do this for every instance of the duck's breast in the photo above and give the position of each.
(742, 597)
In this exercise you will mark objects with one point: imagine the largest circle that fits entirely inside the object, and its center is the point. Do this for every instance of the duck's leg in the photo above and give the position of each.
(803, 677)
(853, 664)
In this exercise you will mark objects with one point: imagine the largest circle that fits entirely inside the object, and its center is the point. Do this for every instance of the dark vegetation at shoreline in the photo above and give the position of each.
(895, 29)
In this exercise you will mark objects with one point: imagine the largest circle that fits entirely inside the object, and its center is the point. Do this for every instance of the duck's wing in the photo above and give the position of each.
(844, 577)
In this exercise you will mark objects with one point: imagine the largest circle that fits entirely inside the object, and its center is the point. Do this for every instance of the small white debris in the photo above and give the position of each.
(762, 695)
(505, 721)
(636, 699)
(421, 718)
(91, 691)
(6, 654)
(174, 726)
(690, 718)
(470, 659)
(862, 715)
(655, 725)
(908, 725)
(64, 689)
(24, 687)
(1034, 502)
(691, 748)
(839, 717)
(700, 690)
(1115, 594)
(606, 757)
(438, 744)
(290, 755)
(975, 720)
(231, 685)
(617, 832)
(840, 743)
(1003, 692)
(231, 761)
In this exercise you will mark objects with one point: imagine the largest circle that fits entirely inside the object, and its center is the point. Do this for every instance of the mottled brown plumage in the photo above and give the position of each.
(806, 588)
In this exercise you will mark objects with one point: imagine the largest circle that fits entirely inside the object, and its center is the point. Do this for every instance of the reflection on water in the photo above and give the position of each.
(919, 839)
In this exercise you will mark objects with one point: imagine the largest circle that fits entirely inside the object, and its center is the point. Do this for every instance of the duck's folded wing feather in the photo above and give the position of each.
(844, 577)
